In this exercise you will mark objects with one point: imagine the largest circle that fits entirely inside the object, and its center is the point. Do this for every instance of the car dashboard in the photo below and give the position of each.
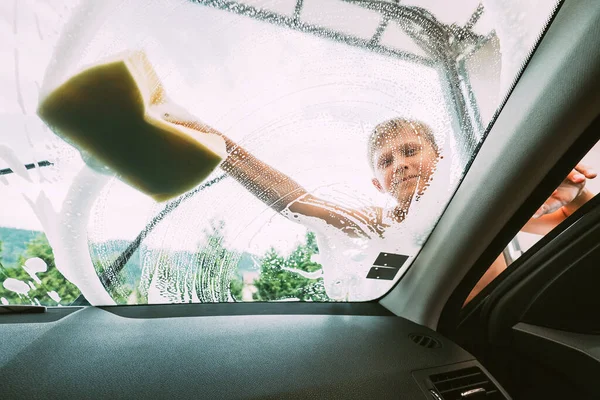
(259, 350)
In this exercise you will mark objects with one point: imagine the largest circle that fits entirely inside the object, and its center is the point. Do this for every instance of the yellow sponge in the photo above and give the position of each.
(107, 111)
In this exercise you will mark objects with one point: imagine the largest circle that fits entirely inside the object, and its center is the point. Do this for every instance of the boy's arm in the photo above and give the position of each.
(278, 190)
(565, 200)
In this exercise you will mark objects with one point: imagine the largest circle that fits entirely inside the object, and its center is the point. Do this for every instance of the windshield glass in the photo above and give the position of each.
(346, 127)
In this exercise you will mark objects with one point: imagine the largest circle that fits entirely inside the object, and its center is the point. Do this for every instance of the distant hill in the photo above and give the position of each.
(14, 242)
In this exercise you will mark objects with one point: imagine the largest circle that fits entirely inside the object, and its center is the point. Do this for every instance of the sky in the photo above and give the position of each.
(303, 104)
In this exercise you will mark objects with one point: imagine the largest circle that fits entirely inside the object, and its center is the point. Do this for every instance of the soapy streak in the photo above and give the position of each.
(308, 275)
(37, 25)
(15, 17)
(16, 286)
(18, 79)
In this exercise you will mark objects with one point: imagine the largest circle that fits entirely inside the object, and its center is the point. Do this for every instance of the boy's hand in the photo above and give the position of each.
(568, 190)
(178, 115)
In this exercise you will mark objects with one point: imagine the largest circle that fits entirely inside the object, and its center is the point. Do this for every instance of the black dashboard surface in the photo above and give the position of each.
(275, 351)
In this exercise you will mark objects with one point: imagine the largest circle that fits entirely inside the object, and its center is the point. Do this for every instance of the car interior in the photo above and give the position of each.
(532, 333)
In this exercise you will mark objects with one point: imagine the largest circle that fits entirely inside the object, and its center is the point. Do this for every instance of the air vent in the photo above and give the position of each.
(425, 341)
(464, 384)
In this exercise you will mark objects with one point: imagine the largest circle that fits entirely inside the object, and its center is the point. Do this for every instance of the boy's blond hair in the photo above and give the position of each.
(393, 127)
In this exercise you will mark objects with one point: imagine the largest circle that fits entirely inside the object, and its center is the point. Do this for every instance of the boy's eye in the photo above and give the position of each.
(409, 151)
(385, 162)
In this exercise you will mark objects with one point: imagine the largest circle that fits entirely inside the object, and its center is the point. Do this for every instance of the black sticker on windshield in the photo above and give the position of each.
(386, 266)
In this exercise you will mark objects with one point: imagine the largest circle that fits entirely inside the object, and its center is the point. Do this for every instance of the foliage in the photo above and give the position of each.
(276, 282)
(51, 280)
(213, 267)
(235, 288)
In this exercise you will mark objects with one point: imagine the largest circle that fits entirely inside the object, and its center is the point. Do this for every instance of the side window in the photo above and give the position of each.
(580, 186)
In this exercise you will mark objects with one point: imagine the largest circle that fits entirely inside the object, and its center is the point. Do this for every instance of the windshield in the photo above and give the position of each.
(348, 125)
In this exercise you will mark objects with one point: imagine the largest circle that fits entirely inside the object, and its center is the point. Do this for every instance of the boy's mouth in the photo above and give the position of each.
(404, 179)
(399, 181)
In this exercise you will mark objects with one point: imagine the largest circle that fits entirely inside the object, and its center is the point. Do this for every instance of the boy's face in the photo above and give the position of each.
(404, 162)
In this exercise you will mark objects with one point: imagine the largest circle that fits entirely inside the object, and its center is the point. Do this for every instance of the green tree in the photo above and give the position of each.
(278, 279)
(51, 280)
(235, 288)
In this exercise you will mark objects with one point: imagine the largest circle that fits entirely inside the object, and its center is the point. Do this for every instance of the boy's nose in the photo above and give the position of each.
(401, 169)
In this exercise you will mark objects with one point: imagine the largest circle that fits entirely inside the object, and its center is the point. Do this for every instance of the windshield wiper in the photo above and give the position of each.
(109, 275)
(44, 163)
